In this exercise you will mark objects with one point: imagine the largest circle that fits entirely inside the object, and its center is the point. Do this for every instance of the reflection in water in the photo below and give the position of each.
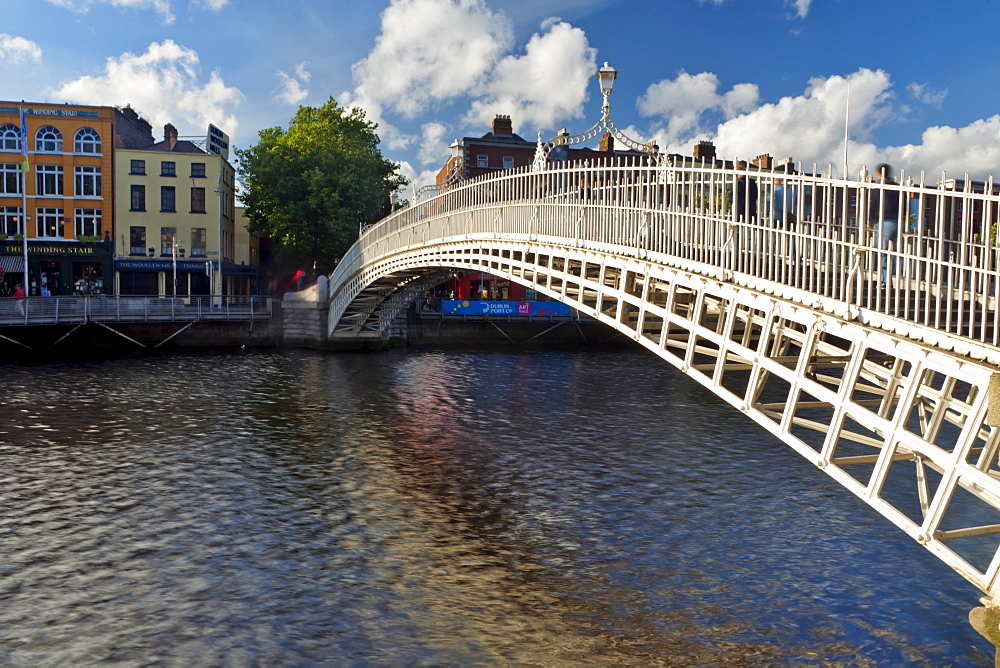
(436, 508)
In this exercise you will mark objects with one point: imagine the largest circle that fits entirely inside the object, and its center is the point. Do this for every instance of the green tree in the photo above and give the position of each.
(310, 187)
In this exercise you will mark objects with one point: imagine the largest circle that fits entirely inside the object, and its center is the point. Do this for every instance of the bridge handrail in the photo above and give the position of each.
(63, 310)
(947, 248)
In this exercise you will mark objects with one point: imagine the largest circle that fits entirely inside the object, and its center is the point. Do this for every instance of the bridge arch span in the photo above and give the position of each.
(783, 325)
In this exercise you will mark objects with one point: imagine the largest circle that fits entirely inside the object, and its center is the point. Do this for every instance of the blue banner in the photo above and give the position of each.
(488, 307)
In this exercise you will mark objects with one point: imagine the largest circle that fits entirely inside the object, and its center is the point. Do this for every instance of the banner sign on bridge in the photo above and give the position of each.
(487, 307)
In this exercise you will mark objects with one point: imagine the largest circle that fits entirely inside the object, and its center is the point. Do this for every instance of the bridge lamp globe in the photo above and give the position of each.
(606, 78)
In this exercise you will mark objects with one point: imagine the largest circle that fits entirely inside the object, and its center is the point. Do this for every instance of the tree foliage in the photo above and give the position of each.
(310, 187)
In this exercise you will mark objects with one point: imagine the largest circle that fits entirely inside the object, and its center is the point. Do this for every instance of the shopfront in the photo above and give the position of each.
(155, 277)
(58, 267)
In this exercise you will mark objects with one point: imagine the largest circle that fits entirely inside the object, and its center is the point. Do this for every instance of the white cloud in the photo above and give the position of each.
(429, 51)
(811, 126)
(545, 86)
(418, 179)
(926, 95)
(974, 148)
(433, 145)
(163, 7)
(292, 87)
(19, 50)
(164, 84)
(801, 7)
(685, 101)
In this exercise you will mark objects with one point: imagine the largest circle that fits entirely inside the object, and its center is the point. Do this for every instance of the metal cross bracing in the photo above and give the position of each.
(885, 389)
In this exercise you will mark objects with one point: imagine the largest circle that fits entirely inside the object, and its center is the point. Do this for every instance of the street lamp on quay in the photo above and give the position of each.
(606, 79)
(177, 246)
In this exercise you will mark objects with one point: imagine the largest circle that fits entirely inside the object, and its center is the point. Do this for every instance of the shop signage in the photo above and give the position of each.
(159, 265)
(486, 307)
(34, 249)
(218, 142)
(51, 112)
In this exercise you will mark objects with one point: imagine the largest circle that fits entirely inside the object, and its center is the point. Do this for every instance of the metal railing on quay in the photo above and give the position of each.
(112, 308)
(923, 252)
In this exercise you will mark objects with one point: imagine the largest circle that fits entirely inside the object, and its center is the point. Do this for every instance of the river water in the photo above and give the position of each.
(432, 508)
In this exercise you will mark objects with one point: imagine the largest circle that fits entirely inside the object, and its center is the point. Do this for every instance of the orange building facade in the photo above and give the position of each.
(68, 192)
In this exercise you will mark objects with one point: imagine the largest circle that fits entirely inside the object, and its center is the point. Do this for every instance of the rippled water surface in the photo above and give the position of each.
(437, 508)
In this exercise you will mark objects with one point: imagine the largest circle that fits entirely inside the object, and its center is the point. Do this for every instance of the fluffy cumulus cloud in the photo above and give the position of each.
(18, 50)
(292, 88)
(810, 127)
(164, 84)
(686, 103)
(430, 50)
(545, 86)
(434, 53)
(973, 149)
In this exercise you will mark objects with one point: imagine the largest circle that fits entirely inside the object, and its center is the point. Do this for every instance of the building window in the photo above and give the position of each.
(88, 223)
(136, 240)
(508, 162)
(199, 239)
(137, 167)
(49, 222)
(88, 181)
(482, 160)
(10, 137)
(197, 200)
(168, 168)
(168, 198)
(197, 170)
(138, 199)
(48, 139)
(87, 141)
(167, 235)
(48, 180)
(10, 223)
(853, 201)
(10, 179)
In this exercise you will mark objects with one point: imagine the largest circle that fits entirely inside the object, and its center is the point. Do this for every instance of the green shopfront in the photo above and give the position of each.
(58, 267)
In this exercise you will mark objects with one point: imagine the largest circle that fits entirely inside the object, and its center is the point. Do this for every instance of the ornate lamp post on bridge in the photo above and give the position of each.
(606, 79)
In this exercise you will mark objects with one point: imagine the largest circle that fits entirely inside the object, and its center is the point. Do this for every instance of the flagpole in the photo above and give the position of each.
(25, 168)
(847, 126)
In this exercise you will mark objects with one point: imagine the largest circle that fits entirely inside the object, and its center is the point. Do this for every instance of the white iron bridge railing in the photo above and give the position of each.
(933, 267)
(109, 308)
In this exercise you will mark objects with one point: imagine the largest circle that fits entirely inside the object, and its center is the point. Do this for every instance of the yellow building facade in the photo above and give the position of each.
(175, 221)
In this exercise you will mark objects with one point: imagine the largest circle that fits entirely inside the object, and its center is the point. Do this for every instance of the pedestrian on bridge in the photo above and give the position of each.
(746, 194)
(883, 211)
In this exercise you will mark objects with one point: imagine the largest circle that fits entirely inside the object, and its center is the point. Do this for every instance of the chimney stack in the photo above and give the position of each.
(764, 161)
(704, 150)
(502, 125)
(170, 135)
(607, 143)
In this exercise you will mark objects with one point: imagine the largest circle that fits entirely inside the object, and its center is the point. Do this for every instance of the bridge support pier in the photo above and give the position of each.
(986, 621)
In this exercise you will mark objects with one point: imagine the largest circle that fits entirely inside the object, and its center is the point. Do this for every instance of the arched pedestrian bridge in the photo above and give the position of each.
(888, 389)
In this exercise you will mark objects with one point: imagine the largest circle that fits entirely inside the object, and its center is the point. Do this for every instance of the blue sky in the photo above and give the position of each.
(754, 76)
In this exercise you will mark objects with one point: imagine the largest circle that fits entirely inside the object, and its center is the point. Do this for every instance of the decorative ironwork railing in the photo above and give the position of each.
(934, 266)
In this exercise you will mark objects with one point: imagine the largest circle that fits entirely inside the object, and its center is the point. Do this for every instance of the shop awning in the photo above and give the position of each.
(12, 264)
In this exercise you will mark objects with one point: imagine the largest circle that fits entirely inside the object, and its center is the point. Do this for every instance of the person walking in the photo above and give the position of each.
(19, 297)
(883, 211)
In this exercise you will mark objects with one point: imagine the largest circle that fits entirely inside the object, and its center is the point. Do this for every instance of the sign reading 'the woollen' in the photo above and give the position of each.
(218, 142)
